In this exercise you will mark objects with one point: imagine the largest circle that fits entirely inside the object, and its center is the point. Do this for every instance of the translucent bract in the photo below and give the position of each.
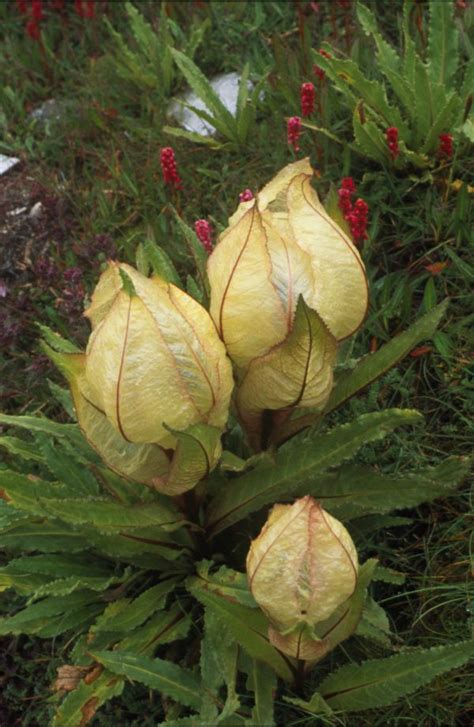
(302, 566)
(153, 388)
(287, 284)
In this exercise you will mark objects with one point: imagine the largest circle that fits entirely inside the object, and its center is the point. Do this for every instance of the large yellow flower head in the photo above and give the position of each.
(287, 284)
(152, 390)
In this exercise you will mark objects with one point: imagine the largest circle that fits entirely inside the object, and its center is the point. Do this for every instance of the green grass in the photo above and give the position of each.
(101, 160)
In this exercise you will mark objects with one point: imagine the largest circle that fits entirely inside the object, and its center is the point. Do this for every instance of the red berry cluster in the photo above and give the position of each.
(392, 141)
(204, 233)
(294, 131)
(169, 168)
(307, 98)
(246, 195)
(357, 214)
(446, 145)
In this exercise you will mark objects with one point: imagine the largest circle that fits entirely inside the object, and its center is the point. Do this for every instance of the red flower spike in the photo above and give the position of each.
(446, 145)
(358, 220)
(356, 215)
(37, 10)
(345, 202)
(392, 141)
(349, 184)
(90, 9)
(246, 195)
(294, 131)
(204, 233)
(169, 168)
(307, 97)
(33, 30)
(21, 5)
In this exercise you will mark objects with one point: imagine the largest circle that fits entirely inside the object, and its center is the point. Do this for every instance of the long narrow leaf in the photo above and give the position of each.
(380, 682)
(170, 679)
(297, 463)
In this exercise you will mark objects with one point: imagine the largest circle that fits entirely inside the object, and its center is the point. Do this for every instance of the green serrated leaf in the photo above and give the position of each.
(162, 628)
(355, 490)
(161, 263)
(32, 617)
(380, 682)
(42, 535)
(297, 464)
(388, 575)
(57, 342)
(369, 138)
(110, 516)
(204, 90)
(170, 679)
(79, 707)
(369, 368)
(219, 656)
(78, 479)
(443, 41)
(63, 396)
(315, 705)
(131, 613)
(193, 136)
(226, 582)
(374, 624)
(21, 448)
(197, 251)
(262, 681)
(248, 626)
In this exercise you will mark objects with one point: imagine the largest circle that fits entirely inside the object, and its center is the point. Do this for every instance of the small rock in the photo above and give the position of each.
(36, 211)
(7, 163)
(226, 87)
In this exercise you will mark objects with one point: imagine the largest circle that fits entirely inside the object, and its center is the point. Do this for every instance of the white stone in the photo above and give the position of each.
(7, 163)
(226, 87)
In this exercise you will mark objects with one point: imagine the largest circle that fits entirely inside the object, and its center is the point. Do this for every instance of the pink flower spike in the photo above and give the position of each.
(246, 195)
(307, 97)
(294, 131)
(203, 231)
(169, 168)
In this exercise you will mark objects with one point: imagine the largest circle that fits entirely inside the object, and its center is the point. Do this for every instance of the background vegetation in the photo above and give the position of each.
(90, 187)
